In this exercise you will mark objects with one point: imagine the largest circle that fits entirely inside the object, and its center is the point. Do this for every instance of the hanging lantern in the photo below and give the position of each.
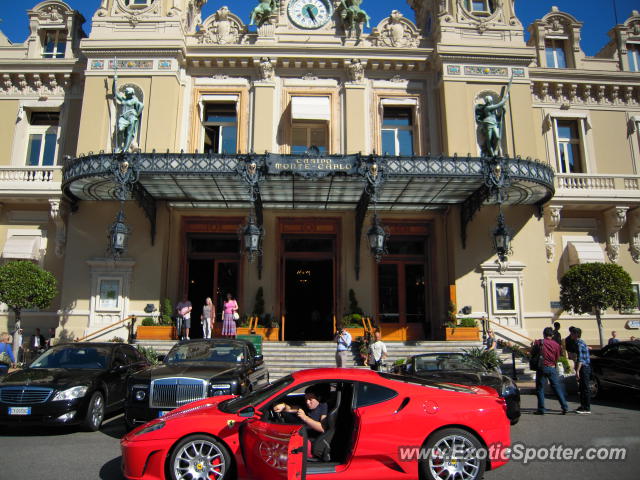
(118, 235)
(252, 238)
(378, 237)
(502, 236)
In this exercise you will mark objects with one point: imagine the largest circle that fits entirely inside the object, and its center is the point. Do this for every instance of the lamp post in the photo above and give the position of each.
(502, 236)
(377, 236)
(118, 235)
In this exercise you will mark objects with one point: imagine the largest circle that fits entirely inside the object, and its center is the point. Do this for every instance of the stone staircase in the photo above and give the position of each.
(283, 358)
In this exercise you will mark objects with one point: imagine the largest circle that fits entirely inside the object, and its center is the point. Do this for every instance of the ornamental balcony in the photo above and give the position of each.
(31, 182)
(596, 188)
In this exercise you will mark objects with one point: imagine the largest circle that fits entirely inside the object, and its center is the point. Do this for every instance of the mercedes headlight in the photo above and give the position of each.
(71, 393)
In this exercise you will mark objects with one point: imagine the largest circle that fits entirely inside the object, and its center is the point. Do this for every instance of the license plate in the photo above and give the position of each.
(162, 413)
(19, 410)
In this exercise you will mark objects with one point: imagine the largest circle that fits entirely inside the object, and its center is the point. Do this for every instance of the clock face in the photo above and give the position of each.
(310, 14)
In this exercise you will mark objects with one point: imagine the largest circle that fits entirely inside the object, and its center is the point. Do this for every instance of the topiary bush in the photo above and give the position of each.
(166, 312)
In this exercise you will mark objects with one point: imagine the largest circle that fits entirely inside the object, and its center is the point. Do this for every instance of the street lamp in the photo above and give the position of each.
(377, 236)
(118, 235)
(252, 238)
(502, 236)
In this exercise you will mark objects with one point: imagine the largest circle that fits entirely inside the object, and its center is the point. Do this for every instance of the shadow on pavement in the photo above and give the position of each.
(111, 470)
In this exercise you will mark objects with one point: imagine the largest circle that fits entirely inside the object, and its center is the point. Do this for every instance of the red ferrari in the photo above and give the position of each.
(376, 425)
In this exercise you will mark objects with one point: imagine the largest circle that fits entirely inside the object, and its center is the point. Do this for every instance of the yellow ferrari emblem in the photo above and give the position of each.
(231, 423)
(199, 467)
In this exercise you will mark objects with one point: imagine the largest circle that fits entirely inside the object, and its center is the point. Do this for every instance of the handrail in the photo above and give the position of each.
(130, 317)
(531, 340)
(334, 325)
(282, 329)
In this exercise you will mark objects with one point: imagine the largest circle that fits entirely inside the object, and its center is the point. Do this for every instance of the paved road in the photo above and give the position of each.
(52, 454)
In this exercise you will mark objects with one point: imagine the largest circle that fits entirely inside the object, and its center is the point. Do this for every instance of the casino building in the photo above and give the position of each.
(322, 139)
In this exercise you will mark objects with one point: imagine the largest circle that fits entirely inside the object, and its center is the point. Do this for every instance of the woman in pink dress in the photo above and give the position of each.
(229, 324)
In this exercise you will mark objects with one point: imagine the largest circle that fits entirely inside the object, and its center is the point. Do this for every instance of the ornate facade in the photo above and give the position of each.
(315, 129)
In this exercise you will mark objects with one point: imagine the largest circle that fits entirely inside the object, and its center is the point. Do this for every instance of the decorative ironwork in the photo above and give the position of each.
(125, 175)
(497, 178)
(502, 236)
(148, 205)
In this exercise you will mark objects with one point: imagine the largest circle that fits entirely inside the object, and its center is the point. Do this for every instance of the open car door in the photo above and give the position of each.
(274, 451)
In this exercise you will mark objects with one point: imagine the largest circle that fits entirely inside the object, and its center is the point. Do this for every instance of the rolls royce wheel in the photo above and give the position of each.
(95, 413)
(450, 456)
(199, 457)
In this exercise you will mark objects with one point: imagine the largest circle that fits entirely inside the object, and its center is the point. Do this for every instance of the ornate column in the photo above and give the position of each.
(58, 213)
(633, 220)
(551, 222)
(615, 219)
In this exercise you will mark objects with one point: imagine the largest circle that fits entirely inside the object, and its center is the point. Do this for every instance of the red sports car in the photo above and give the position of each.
(377, 425)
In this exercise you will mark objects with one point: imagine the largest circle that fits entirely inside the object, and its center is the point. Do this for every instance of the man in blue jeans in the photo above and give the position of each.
(550, 352)
(583, 373)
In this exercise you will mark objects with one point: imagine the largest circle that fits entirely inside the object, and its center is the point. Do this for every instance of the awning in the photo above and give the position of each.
(584, 252)
(23, 247)
(310, 108)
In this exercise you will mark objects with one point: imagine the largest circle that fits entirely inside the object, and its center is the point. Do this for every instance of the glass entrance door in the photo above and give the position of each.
(226, 281)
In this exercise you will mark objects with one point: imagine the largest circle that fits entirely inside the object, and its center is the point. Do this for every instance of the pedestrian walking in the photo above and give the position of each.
(557, 336)
(230, 316)
(490, 342)
(583, 373)
(570, 346)
(377, 352)
(343, 346)
(183, 319)
(208, 317)
(549, 351)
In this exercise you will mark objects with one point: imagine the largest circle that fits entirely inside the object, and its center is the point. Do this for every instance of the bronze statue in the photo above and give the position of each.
(263, 11)
(490, 119)
(352, 15)
(128, 121)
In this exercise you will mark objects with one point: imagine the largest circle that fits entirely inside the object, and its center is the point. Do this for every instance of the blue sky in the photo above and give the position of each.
(597, 15)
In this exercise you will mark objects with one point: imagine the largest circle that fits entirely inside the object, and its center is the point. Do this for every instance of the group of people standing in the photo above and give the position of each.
(377, 350)
(11, 353)
(207, 318)
(550, 349)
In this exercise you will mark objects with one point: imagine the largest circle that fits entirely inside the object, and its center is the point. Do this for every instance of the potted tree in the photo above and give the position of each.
(24, 285)
(464, 329)
(160, 329)
(595, 287)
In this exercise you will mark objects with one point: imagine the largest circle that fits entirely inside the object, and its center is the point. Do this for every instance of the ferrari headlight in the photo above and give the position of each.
(71, 393)
(151, 428)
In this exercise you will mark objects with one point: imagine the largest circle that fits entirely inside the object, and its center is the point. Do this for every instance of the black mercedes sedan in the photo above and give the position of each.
(69, 384)
(616, 366)
(463, 369)
(192, 370)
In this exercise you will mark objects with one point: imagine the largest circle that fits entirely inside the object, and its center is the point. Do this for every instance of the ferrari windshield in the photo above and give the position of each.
(228, 352)
(256, 397)
(73, 357)
(450, 361)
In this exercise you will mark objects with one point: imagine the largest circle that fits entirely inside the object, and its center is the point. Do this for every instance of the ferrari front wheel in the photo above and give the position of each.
(199, 457)
(453, 453)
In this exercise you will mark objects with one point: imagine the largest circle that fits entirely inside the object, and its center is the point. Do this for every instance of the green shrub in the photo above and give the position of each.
(166, 312)
(149, 353)
(467, 322)
(352, 320)
(488, 358)
(148, 322)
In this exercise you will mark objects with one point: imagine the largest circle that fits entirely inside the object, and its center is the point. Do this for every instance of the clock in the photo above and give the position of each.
(310, 14)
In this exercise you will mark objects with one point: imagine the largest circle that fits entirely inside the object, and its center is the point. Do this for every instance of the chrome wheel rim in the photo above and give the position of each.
(448, 459)
(97, 411)
(199, 460)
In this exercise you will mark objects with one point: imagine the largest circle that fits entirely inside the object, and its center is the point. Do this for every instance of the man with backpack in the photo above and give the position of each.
(544, 357)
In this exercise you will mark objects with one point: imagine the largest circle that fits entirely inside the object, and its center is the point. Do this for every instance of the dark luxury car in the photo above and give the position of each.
(75, 383)
(616, 365)
(463, 369)
(192, 370)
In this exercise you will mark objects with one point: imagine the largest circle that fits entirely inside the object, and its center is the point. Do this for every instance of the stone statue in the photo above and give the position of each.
(128, 121)
(263, 11)
(490, 120)
(352, 16)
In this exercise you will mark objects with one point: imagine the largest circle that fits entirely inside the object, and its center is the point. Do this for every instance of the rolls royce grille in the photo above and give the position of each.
(175, 392)
(24, 395)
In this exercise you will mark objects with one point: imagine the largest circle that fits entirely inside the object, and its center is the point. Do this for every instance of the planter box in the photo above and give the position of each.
(462, 333)
(269, 334)
(355, 332)
(156, 332)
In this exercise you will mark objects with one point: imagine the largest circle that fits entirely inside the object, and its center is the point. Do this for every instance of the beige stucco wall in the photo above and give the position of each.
(8, 113)
(612, 152)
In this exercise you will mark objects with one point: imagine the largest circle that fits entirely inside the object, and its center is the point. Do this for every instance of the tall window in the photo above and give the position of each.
(569, 146)
(554, 50)
(220, 127)
(54, 44)
(305, 136)
(480, 7)
(397, 131)
(42, 148)
(633, 53)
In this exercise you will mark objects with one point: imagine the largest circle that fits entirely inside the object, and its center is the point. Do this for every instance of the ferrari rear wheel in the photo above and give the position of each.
(452, 454)
(199, 457)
